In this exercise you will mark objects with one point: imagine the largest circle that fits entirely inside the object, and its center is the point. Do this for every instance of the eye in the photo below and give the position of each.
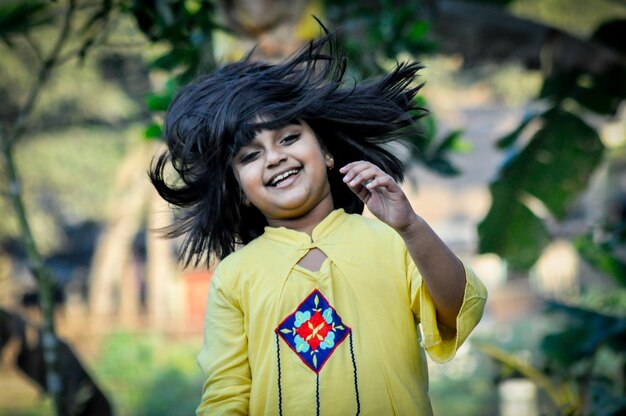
(290, 138)
(248, 157)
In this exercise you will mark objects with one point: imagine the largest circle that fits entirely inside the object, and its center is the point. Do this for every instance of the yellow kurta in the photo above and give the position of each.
(372, 284)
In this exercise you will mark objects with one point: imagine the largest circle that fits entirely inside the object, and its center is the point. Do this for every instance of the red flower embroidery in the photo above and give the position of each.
(314, 330)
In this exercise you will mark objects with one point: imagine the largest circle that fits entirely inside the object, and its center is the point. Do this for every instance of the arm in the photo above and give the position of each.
(442, 271)
(224, 356)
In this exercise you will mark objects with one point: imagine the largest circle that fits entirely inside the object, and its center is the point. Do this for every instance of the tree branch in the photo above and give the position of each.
(33, 45)
(42, 77)
(45, 281)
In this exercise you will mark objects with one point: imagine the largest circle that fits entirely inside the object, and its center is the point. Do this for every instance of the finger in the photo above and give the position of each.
(358, 168)
(363, 175)
(350, 165)
(353, 168)
(384, 181)
(359, 190)
(362, 193)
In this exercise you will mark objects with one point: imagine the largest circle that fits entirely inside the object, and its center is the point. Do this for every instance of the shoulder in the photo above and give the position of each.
(244, 258)
(260, 258)
(359, 226)
(362, 234)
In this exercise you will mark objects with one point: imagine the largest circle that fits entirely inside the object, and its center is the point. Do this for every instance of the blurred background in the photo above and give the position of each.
(521, 168)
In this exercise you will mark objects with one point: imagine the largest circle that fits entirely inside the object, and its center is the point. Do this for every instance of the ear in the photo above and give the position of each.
(330, 161)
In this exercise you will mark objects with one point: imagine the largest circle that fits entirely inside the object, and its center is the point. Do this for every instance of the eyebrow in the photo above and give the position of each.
(274, 125)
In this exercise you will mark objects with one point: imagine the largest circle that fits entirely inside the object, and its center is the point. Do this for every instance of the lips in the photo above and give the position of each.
(283, 177)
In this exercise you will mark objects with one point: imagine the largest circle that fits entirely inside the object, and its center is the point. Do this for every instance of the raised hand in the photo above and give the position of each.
(380, 193)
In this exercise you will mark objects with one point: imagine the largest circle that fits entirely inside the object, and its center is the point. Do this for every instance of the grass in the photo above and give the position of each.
(146, 374)
(140, 374)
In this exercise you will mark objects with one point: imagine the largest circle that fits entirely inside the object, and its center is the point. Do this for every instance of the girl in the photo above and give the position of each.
(317, 311)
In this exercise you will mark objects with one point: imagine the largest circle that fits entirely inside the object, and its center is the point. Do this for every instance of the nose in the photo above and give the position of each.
(275, 156)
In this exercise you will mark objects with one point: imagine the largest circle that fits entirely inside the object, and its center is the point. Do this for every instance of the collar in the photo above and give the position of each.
(321, 230)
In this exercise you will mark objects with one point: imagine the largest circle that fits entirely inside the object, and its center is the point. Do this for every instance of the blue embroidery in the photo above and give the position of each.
(313, 331)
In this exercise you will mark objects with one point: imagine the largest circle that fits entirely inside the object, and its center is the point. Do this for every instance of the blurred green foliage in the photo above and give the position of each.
(149, 375)
(66, 168)
(183, 29)
(549, 172)
(18, 17)
(546, 171)
(470, 377)
(580, 360)
(83, 124)
(143, 374)
(551, 157)
(577, 17)
(375, 35)
(377, 32)
(544, 176)
(66, 179)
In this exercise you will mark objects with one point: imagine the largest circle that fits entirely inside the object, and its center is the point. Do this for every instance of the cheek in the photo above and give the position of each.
(236, 176)
(247, 179)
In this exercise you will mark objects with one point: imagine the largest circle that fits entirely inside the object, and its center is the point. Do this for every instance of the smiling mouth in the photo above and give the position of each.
(281, 177)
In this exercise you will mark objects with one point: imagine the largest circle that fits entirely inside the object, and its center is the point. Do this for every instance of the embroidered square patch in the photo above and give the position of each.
(313, 331)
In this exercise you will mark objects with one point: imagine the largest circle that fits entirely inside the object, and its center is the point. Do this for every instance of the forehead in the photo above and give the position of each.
(262, 127)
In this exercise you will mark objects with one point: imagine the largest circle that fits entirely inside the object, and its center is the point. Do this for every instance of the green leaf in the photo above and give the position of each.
(508, 140)
(559, 86)
(158, 102)
(557, 163)
(193, 6)
(20, 16)
(566, 347)
(418, 30)
(511, 229)
(601, 258)
(553, 169)
(153, 131)
(167, 62)
(595, 100)
(449, 142)
(453, 142)
(442, 166)
(585, 332)
(602, 93)
(462, 146)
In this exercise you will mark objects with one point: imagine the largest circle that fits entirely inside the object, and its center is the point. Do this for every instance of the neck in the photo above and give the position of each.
(307, 222)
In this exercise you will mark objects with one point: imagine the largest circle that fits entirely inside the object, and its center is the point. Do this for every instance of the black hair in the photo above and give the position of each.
(212, 118)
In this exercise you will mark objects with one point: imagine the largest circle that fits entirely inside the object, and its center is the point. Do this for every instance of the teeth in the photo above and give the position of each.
(283, 176)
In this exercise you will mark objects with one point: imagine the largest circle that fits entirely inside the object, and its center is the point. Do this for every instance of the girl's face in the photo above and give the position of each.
(283, 172)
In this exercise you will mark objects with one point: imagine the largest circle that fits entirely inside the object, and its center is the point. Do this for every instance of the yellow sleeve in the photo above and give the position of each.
(224, 356)
(440, 342)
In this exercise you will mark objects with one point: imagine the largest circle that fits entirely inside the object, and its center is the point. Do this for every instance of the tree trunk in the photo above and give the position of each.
(114, 252)
(165, 297)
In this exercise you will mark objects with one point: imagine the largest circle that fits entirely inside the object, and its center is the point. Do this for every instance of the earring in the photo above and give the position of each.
(330, 162)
